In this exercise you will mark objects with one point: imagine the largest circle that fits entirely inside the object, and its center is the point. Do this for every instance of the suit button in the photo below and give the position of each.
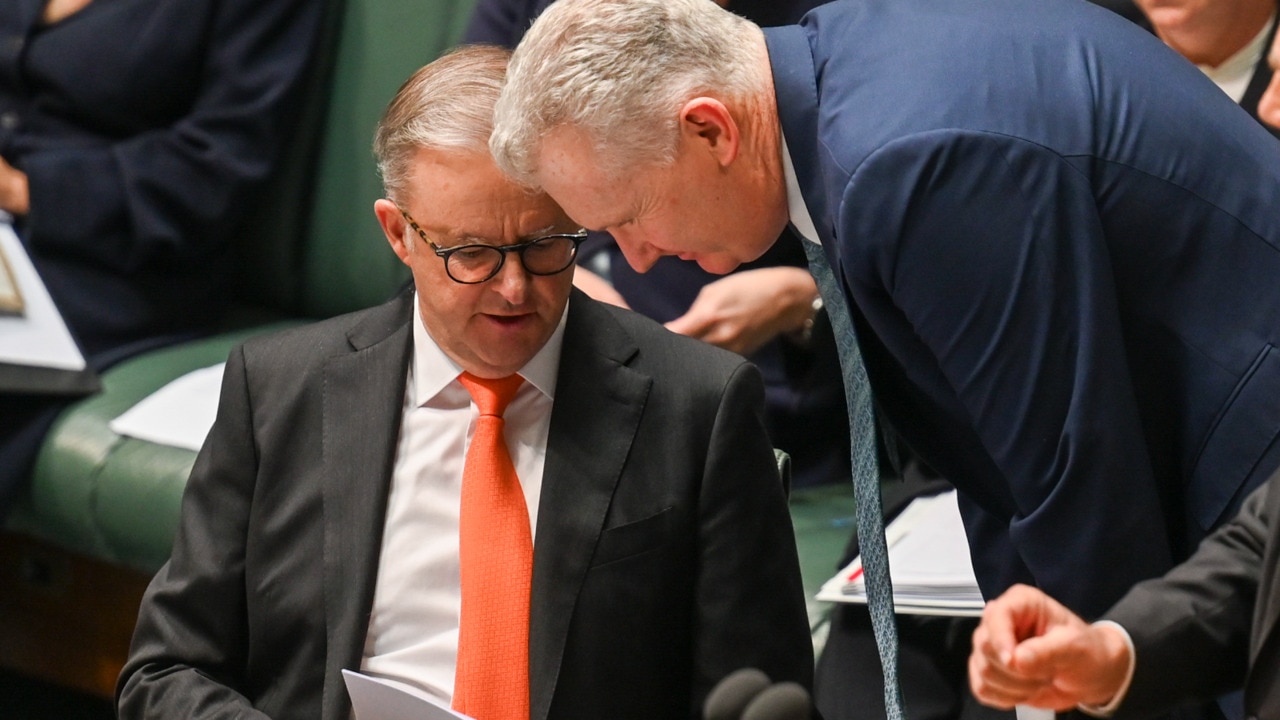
(9, 120)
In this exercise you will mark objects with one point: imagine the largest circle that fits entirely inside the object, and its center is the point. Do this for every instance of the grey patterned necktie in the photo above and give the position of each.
(866, 476)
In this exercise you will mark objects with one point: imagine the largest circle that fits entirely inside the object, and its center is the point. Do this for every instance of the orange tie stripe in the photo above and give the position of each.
(496, 557)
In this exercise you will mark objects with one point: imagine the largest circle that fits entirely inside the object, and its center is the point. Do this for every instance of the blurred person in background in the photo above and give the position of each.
(132, 133)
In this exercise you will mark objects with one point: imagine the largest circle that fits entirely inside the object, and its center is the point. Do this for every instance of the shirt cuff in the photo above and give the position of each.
(1105, 711)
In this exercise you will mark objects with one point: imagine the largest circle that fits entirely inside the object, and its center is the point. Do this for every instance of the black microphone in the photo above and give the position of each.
(783, 701)
(730, 697)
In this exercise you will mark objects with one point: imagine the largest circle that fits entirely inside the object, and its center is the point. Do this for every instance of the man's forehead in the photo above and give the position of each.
(570, 170)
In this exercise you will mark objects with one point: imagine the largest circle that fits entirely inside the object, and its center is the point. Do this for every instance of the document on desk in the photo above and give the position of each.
(929, 563)
(374, 698)
(37, 352)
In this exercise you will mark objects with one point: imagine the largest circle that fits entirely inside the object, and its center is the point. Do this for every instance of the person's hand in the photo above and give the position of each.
(743, 311)
(56, 10)
(14, 196)
(597, 287)
(1030, 650)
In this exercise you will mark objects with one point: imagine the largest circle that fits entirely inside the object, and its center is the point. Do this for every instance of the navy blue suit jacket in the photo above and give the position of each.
(1061, 244)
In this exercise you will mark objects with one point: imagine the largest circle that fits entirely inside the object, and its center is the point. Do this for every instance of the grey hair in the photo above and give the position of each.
(448, 104)
(620, 70)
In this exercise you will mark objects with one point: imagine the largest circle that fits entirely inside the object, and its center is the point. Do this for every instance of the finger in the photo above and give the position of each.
(996, 683)
(994, 637)
(690, 324)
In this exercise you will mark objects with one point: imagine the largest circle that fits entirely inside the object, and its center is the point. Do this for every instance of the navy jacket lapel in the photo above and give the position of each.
(598, 407)
(363, 396)
(796, 90)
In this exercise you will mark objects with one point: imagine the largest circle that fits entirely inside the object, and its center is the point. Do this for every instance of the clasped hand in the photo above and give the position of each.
(1030, 650)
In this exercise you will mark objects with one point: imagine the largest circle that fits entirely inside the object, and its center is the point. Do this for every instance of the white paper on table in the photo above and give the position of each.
(178, 414)
(374, 698)
(1025, 712)
(929, 563)
(39, 336)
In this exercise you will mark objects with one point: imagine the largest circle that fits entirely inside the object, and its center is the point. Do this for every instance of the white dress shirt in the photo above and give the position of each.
(801, 220)
(413, 631)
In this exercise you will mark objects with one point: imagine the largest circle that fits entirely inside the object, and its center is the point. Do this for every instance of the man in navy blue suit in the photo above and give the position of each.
(1066, 305)
(765, 310)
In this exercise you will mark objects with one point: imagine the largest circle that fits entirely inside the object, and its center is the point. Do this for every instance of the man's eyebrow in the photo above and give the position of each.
(469, 239)
(540, 232)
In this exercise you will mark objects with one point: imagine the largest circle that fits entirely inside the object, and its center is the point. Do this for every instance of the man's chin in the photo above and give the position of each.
(717, 264)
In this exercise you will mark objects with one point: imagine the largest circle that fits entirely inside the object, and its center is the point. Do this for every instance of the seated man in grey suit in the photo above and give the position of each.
(326, 521)
(1210, 625)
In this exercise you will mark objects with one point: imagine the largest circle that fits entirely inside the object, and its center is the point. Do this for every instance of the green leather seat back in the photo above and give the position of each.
(348, 264)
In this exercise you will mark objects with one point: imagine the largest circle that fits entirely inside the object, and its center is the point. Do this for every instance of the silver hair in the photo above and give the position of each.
(448, 104)
(620, 70)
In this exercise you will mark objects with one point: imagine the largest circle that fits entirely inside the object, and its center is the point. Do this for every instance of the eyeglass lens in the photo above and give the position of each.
(545, 256)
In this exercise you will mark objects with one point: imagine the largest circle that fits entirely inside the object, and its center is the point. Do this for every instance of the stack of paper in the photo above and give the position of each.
(37, 353)
(928, 563)
(37, 336)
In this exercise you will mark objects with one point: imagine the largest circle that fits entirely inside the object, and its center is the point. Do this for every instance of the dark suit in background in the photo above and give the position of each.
(1213, 620)
(664, 557)
(1066, 307)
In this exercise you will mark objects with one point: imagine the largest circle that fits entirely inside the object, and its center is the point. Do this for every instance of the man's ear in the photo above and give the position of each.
(708, 121)
(393, 226)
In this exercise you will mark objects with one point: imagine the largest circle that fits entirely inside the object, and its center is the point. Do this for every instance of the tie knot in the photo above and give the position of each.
(492, 395)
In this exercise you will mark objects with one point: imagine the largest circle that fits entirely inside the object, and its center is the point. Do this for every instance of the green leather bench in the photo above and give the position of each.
(102, 508)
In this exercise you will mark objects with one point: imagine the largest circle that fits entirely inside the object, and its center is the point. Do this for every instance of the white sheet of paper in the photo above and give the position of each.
(39, 336)
(1029, 713)
(178, 414)
(377, 699)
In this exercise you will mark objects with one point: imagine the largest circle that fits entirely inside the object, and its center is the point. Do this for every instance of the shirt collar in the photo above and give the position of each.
(796, 208)
(431, 370)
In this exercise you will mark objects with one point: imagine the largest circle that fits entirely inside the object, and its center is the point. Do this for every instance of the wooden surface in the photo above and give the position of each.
(64, 618)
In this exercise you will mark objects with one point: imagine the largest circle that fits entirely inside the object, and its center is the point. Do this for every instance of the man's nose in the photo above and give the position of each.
(640, 255)
(512, 280)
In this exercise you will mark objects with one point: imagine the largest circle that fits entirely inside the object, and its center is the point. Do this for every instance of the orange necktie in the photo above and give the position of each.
(496, 554)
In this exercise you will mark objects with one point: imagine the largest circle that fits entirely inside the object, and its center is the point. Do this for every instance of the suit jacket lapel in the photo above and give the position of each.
(363, 396)
(796, 89)
(598, 406)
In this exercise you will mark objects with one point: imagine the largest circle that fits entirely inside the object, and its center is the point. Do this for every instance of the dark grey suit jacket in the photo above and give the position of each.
(1214, 620)
(664, 558)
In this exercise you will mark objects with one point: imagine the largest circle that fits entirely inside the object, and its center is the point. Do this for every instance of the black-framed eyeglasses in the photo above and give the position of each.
(476, 263)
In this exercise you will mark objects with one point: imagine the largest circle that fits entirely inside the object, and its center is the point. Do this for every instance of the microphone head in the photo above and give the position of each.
(784, 701)
(730, 696)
